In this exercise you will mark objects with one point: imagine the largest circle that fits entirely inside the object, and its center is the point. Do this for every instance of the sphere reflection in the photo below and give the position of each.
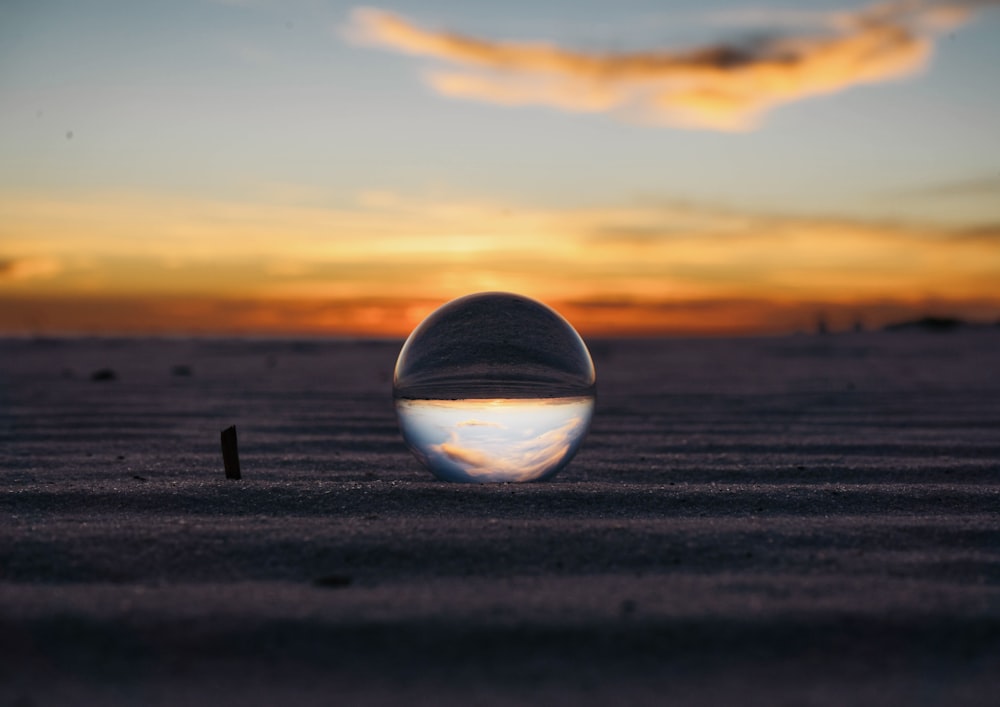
(494, 387)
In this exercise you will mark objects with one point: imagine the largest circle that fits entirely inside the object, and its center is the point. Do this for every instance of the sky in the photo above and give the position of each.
(713, 168)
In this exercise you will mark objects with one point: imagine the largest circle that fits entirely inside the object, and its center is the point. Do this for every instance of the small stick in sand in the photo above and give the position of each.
(230, 455)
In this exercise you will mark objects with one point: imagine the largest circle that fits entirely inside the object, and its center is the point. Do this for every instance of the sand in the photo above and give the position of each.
(802, 520)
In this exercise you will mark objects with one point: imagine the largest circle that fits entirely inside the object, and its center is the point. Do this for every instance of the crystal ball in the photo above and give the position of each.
(494, 387)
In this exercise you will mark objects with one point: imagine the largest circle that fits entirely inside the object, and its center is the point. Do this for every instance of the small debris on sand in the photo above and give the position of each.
(230, 453)
(333, 581)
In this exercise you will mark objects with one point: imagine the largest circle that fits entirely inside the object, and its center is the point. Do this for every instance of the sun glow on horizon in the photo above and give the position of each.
(376, 267)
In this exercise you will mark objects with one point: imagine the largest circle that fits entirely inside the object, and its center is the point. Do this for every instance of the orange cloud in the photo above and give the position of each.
(719, 87)
(400, 247)
(397, 316)
(29, 268)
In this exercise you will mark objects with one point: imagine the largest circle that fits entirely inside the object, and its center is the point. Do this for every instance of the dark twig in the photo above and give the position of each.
(230, 454)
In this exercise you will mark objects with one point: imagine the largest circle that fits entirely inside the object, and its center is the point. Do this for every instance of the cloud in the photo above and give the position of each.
(987, 233)
(719, 87)
(517, 461)
(28, 268)
(982, 186)
(479, 423)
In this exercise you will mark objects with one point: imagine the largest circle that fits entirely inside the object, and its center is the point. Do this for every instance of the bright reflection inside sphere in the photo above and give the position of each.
(494, 387)
(512, 439)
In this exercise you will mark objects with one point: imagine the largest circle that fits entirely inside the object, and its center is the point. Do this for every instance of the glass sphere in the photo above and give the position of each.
(494, 387)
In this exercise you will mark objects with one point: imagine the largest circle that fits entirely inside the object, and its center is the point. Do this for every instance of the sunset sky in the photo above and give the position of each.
(305, 167)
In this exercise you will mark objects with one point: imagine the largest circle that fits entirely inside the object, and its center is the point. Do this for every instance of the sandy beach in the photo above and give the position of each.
(807, 520)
